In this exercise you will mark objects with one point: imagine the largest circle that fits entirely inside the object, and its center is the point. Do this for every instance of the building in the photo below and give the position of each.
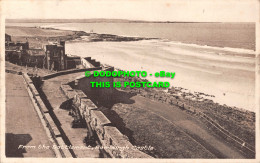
(33, 58)
(24, 45)
(7, 37)
(55, 56)
(14, 50)
(13, 54)
(73, 62)
(51, 56)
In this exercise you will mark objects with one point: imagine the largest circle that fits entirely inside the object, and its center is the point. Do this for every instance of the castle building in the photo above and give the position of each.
(55, 57)
(13, 54)
(52, 56)
(33, 58)
(14, 50)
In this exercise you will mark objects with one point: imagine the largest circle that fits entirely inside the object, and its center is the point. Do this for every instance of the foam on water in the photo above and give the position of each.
(228, 49)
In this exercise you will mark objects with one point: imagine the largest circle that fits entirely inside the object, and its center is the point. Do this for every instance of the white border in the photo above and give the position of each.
(72, 160)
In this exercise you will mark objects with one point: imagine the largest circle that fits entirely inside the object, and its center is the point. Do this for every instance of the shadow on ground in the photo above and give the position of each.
(13, 141)
(118, 96)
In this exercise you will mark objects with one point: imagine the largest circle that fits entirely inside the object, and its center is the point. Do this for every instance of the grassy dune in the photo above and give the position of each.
(37, 37)
(32, 32)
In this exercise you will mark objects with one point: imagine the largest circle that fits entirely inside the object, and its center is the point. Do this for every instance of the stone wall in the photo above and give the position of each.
(87, 62)
(113, 141)
(100, 95)
(45, 118)
(64, 72)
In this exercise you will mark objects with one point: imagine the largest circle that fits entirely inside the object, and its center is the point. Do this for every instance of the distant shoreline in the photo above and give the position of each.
(60, 34)
(101, 21)
(217, 34)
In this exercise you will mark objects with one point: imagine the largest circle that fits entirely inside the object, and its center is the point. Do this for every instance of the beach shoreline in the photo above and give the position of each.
(237, 121)
(73, 37)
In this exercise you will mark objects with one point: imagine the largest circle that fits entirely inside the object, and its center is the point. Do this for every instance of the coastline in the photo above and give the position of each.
(204, 68)
(77, 35)
(73, 36)
(80, 35)
(235, 35)
(234, 119)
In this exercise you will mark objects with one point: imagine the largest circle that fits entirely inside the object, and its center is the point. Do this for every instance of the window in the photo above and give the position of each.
(55, 54)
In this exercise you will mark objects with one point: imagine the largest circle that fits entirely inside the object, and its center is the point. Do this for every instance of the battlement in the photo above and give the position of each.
(109, 136)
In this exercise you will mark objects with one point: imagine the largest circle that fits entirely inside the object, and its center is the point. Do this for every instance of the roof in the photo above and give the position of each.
(35, 52)
(55, 43)
(7, 35)
(18, 48)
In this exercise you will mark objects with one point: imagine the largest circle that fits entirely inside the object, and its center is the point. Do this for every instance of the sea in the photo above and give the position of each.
(214, 58)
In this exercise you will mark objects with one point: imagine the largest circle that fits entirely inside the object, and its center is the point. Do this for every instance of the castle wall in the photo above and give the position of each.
(86, 63)
(100, 95)
(110, 137)
(33, 60)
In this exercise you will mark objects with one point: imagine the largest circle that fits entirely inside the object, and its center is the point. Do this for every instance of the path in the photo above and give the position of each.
(23, 126)
(51, 89)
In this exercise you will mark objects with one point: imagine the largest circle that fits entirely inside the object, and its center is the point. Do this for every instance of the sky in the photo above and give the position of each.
(150, 10)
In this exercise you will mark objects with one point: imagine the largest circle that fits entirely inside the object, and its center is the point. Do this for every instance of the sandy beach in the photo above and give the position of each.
(227, 74)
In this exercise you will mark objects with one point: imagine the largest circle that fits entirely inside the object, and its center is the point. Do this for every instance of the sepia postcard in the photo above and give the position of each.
(121, 80)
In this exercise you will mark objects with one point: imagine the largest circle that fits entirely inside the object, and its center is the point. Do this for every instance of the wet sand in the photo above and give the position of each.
(228, 74)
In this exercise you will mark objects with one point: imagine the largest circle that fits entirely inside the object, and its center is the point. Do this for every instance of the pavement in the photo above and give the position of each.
(55, 97)
(24, 131)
